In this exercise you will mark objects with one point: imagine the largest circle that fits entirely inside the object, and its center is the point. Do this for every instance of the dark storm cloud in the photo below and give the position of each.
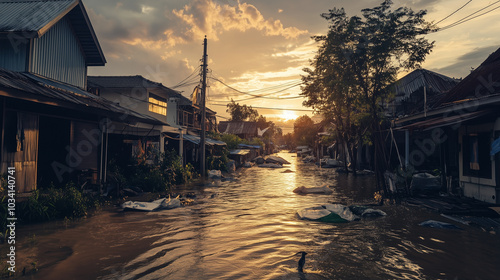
(466, 62)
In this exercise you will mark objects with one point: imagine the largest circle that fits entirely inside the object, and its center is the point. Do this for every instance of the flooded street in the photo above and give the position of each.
(247, 228)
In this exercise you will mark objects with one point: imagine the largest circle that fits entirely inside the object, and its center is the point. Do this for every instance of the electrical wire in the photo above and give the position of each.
(259, 96)
(216, 76)
(454, 11)
(268, 108)
(181, 83)
(469, 17)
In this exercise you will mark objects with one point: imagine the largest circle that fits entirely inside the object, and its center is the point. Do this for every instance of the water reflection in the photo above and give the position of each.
(247, 229)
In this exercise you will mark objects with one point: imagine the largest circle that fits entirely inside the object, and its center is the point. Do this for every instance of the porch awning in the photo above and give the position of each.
(443, 121)
(242, 146)
(196, 140)
(240, 152)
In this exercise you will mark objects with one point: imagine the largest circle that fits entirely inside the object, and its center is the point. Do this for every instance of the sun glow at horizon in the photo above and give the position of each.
(287, 115)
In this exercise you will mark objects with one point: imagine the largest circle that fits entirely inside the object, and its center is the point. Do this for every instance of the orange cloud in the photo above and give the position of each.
(205, 17)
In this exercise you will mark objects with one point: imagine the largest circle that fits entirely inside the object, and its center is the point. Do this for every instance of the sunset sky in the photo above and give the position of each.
(261, 46)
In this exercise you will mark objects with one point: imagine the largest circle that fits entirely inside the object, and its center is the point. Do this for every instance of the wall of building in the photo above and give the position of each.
(20, 148)
(13, 54)
(479, 187)
(57, 55)
(172, 112)
(133, 99)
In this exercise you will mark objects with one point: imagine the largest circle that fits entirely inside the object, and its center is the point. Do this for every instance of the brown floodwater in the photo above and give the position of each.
(247, 228)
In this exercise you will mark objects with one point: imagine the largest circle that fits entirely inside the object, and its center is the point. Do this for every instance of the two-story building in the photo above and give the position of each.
(151, 98)
(52, 129)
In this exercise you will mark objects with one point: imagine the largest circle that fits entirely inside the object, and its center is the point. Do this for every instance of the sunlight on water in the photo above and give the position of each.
(247, 228)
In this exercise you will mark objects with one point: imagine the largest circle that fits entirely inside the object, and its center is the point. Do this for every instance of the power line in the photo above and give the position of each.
(284, 109)
(455, 11)
(257, 90)
(256, 95)
(183, 82)
(469, 17)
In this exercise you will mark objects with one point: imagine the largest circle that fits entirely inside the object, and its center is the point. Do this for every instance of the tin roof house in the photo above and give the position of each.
(53, 130)
(463, 128)
(417, 92)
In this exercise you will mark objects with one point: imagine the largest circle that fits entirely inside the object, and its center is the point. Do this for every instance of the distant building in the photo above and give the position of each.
(52, 129)
(242, 129)
(160, 102)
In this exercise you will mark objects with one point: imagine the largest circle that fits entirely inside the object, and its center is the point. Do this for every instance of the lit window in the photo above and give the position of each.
(157, 105)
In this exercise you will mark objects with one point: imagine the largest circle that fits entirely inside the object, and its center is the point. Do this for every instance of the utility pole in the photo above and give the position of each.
(203, 109)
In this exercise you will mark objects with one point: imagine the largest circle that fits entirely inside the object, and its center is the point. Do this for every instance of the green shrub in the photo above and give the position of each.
(218, 162)
(56, 203)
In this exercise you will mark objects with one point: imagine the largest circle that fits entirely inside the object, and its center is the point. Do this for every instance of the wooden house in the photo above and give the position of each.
(53, 130)
(462, 128)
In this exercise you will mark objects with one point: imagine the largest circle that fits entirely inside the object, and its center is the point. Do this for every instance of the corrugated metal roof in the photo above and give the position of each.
(419, 78)
(136, 81)
(33, 18)
(196, 140)
(483, 81)
(64, 95)
(409, 91)
(238, 127)
(239, 152)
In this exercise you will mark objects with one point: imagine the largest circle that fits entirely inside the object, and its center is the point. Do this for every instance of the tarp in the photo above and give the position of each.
(329, 213)
(495, 147)
(159, 204)
(245, 146)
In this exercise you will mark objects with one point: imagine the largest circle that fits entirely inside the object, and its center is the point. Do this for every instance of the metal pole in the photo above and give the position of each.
(425, 101)
(203, 109)
(181, 146)
(407, 148)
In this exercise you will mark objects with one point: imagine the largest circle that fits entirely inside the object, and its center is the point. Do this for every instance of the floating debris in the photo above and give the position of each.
(324, 189)
(159, 204)
(271, 165)
(328, 213)
(437, 224)
(288, 171)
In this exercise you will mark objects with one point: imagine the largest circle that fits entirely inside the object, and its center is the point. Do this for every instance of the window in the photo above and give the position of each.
(157, 104)
(476, 155)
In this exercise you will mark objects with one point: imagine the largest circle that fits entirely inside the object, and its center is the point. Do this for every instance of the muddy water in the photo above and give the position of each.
(247, 229)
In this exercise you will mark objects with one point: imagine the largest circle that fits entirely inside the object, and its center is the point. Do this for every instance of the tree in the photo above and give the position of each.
(241, 112)
(357, 60)
(304, 131)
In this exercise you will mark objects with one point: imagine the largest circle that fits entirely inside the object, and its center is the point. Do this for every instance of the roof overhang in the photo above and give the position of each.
(32, 19)
(444, 121)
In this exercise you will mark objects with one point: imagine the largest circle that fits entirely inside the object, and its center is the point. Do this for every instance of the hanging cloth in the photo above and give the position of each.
(19, 133)
(495, 147)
